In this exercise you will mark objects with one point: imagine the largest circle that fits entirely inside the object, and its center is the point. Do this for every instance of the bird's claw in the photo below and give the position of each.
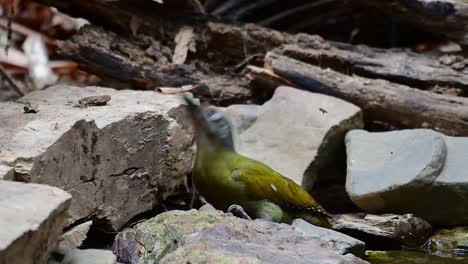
(239, 210)
(195, 196)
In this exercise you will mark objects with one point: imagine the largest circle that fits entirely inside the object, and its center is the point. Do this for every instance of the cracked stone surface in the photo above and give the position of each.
(117, 160)
(417, 171)
(32, 217)
(213, 237)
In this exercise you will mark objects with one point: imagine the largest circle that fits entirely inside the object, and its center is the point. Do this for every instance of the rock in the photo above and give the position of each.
(409, 257)
(85, 256)
(338, 242)
(387, 230)
(242, 116)
(75, 236)
(449, 242)
(32, 217)
(410, 171)
(215, 237)
(207, 207)
(299, 134)
(117, 160)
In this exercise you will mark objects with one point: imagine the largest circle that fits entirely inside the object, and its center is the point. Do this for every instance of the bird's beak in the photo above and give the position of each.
(194, 108)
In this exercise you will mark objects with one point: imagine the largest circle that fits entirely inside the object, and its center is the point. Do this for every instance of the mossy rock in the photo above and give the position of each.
(410, 257)
(449, 242)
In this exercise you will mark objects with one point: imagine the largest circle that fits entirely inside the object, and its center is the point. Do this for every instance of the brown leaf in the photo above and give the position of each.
(185, 41)
(176, 90)
(135, 23)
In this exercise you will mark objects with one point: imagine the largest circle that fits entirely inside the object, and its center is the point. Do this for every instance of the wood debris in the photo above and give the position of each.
(185, 42)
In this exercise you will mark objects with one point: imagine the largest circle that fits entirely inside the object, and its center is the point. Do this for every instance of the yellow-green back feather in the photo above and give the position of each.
(264, 183)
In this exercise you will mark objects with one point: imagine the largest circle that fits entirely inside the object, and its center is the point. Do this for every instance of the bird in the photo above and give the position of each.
(238, 184)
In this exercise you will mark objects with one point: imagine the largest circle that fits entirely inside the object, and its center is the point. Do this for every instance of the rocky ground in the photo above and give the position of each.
(70, 168)
(102, 174)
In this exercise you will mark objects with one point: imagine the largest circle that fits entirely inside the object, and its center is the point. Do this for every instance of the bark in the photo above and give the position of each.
(444, 17)
(396, 65)
(145, 63)
(379, 99)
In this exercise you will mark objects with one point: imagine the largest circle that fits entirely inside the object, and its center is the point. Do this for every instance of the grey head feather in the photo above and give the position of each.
(210, 124)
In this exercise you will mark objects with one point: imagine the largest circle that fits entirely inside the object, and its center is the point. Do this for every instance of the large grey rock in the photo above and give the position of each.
(215, 237)
(296, 132)
(410, 171)
(85, 256)
(338, 242)
(32, 217)
(388, 229)
(117, 160)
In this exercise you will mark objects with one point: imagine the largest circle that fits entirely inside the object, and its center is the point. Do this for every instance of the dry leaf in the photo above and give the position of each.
(175, 90)
(185, 41)
(135, 23)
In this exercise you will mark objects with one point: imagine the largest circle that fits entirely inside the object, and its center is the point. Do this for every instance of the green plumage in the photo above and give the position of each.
(224, 177)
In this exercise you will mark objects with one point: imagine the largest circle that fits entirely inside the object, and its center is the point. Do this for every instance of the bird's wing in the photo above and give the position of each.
(264, 183)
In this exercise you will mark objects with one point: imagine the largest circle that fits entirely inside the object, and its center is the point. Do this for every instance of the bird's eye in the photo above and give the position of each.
(215, 116)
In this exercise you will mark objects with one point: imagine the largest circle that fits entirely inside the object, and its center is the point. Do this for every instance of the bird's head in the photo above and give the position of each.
(211, 125)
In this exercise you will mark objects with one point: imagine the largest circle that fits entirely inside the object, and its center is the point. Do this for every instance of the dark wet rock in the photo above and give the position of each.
(388, 231)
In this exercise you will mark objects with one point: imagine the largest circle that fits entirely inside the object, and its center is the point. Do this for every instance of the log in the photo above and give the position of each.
(147, 65)
(443, 17)
(95, 50)
(396, 65)
(154, 18)
(380, 100)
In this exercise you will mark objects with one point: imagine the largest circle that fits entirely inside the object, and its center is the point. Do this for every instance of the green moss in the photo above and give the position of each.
(203, 256)
(410, 257)
(161, 235)
(449, 242)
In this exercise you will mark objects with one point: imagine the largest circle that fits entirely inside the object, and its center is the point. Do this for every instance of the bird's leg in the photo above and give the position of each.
(239, 210)
(195, 196)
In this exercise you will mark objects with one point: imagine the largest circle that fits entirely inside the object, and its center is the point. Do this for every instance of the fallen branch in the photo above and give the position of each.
(444, 17)
(396, 65)
(10, 81)
(147, 67)
(379, 99)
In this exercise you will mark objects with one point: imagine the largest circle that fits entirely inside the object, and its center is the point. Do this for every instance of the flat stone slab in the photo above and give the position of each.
(117, 160)
(32, 217)
(418, 171)
(296, 133)
(338, 242)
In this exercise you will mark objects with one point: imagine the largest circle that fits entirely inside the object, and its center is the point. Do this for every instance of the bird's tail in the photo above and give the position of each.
(318, 220)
